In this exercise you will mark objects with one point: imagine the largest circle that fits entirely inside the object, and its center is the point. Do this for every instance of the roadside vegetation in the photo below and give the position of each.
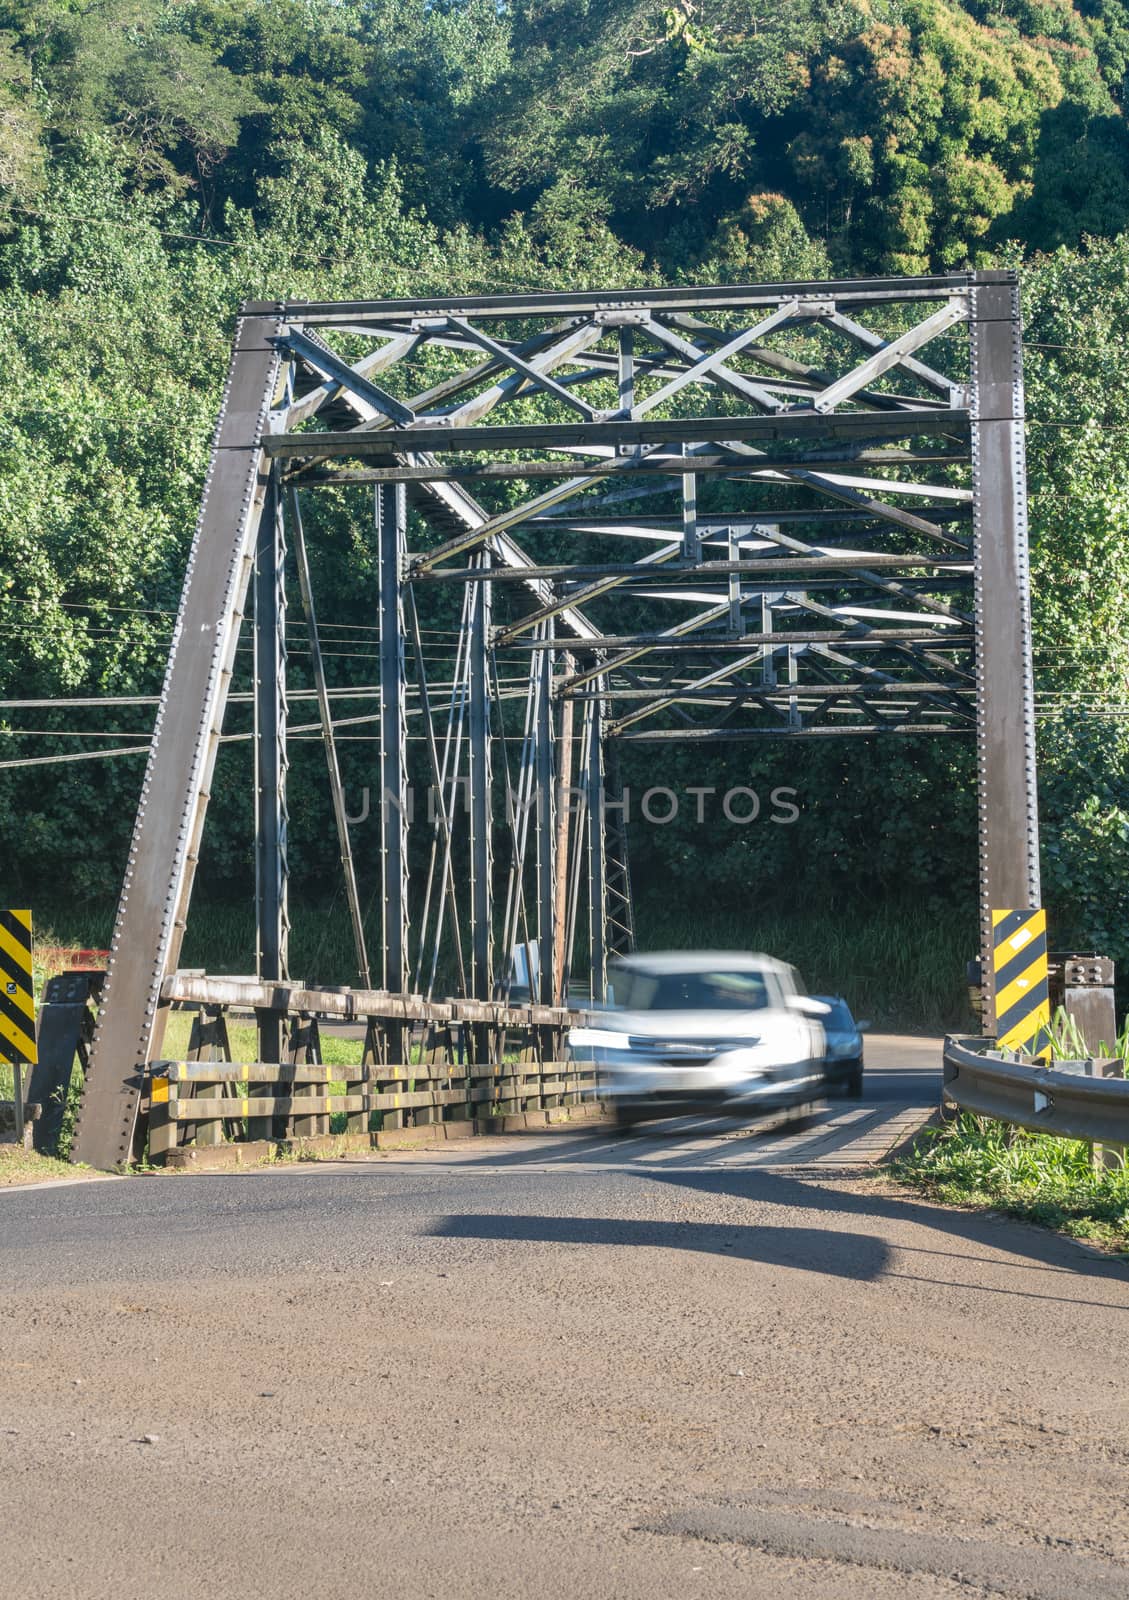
(979, 1163)
(18, 1166)
(163, 161)
(901, 965)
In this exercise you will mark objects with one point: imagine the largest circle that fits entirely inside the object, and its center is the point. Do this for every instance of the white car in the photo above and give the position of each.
(727, 1033)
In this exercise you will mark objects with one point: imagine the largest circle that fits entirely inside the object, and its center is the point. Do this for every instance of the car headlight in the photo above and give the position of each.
(595, 1039)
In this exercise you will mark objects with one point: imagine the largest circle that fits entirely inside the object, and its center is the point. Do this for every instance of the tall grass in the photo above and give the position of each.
(975, 1161)
(899, 966)
(1067, 1043)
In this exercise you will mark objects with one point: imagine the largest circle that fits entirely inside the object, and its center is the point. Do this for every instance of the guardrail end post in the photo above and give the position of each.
(163, 1099)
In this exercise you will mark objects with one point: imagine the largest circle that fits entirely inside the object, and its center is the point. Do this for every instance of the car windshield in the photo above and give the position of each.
(840, 1017)
(691, 991)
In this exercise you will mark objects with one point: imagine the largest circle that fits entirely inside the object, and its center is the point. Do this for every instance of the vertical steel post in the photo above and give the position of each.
(391, 535)
(691, 536)
(325, 713)
(793, 669)
(597, 853)
(545, 821)
(562, 950)
(768, 659)
(271, 918)
(1005, 697)
(482, 943)
(619, 920)
(627, 369)
(736, 614)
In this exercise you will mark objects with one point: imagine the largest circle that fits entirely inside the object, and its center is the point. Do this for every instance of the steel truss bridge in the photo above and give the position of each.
(722, 514)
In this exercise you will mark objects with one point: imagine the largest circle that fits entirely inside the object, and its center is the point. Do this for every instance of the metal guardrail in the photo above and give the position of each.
(1075, 1100)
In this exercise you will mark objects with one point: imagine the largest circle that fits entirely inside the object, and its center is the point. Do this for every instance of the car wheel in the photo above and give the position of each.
(624, 1120)
(852, 1083)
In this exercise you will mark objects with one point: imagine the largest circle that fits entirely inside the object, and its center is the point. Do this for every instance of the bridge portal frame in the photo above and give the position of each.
(818, 416)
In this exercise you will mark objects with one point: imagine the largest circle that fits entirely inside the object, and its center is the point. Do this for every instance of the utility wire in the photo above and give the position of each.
(86, 755)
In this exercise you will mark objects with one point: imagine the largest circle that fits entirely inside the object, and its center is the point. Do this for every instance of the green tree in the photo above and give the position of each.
(649, 106)
(22, 156)
(918, 132)
(122, 69)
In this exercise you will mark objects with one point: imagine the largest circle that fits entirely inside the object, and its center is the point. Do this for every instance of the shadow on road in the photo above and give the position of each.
(825, 1246)
(1042, 1250)
(842, 1255)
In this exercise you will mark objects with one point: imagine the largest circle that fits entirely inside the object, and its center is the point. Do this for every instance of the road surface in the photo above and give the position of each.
(552, 1369)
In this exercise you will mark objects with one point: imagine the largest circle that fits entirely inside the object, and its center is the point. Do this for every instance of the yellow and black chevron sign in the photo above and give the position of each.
(17, 996)
(1019, 962)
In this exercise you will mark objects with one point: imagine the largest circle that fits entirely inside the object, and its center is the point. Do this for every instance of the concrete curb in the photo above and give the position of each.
(262, 1152)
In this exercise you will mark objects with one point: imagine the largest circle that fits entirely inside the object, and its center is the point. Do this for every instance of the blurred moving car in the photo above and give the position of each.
(727, 1033)
(843, 1062)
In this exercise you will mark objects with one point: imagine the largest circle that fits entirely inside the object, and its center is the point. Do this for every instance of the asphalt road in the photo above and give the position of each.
(903, 1067)
(570, 1377)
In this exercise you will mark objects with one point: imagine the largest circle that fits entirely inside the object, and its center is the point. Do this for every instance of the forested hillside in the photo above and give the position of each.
(159, 162)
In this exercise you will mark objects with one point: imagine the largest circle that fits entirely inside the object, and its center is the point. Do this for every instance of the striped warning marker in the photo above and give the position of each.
(1019, 963)
(17, 995)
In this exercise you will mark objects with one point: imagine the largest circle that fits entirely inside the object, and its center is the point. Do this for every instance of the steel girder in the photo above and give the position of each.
(155, 896)
(825, 480)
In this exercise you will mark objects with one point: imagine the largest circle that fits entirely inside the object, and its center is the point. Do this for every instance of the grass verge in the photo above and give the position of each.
(244, 1041)
(977, 1163)
(26, 1166)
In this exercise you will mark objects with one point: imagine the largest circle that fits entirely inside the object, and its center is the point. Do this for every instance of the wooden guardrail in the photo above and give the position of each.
(346, 1005)
(454, 1064)
(202, 1103)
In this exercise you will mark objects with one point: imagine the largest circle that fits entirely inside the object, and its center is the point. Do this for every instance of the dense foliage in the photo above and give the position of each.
(160, 160)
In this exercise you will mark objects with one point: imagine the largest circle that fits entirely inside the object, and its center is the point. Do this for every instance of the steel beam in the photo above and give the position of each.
(562, 947)
(153, 908)
(629, 302)
(595, 798)
(674, 645)
(659, 462)
(1007, 798)
(391, 535)
(271, 915)
(799, 425)
(658, 526)
(481, 898)
(864, 730)
(272, 926)
(545, 819)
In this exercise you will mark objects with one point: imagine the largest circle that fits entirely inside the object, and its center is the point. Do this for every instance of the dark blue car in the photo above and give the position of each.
(843, 1062)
